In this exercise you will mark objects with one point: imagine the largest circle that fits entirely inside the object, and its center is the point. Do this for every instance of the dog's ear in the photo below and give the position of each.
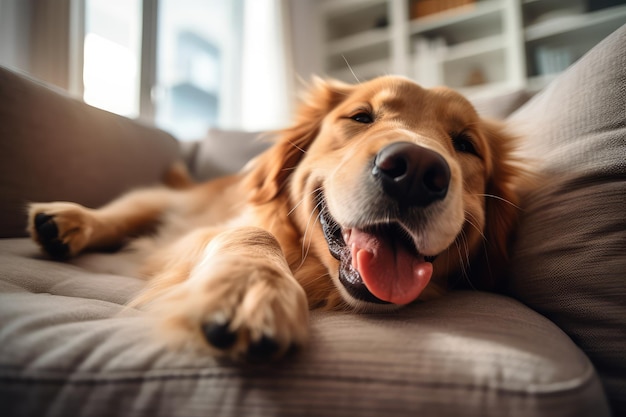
(269, 172)
(508, 177)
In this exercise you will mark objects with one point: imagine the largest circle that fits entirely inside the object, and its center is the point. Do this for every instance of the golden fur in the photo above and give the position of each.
(239, 261)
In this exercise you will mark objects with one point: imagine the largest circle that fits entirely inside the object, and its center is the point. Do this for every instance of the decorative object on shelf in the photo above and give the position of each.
(427, 63)
(421, 8)
(476, 77)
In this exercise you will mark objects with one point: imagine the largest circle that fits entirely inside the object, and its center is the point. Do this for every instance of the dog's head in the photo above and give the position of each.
(396, 186)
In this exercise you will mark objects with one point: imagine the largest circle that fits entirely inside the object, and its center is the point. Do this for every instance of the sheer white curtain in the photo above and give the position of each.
(268, 79)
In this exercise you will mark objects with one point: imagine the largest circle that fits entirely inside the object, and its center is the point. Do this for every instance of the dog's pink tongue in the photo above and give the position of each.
(388, 270)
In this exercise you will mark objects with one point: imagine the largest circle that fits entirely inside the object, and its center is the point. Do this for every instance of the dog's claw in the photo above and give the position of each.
(219, 336)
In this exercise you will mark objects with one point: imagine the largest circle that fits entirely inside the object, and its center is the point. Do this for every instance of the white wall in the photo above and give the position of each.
(14, 34)
(305, 40)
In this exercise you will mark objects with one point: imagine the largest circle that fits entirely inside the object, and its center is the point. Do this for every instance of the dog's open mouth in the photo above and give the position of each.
(379, 264)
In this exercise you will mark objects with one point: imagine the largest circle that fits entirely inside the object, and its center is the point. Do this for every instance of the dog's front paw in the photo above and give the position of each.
(237, 309)
(62, 229)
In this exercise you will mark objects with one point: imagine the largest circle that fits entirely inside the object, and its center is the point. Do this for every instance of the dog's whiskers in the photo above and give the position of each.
(467, 251)
(350, 68)
(469, 215)
(303, 199)
(501, 199)
(485, 242)
(307, 246)
(297, 147)
(465, 262)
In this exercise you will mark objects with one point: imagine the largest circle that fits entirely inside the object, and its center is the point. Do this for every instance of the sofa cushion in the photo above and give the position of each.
(500, 106)
(56, 148)
(222, 152)
(569, 262)
(68, 348)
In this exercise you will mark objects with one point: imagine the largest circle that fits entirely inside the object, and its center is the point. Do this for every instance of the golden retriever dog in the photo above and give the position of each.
(379, 194)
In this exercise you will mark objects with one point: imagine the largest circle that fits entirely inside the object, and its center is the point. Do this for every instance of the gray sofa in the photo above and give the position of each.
(554, 345)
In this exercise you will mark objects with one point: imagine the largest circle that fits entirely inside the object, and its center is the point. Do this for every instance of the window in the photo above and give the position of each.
(188, 65)
(112, 55)
(198, 57)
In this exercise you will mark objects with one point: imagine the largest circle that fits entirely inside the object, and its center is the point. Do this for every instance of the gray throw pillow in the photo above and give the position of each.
(569, 262)
(224, 152)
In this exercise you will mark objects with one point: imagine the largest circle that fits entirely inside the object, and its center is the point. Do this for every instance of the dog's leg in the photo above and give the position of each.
(65, 229)
(229, 292)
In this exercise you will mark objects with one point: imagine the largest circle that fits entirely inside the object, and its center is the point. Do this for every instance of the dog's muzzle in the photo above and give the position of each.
(379, 262)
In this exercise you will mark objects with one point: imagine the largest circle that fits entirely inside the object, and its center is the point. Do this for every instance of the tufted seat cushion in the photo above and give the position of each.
(67, 347)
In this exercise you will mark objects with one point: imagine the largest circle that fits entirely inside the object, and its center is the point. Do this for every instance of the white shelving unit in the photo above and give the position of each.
(484, 48)
(559, 32)
(357, 35)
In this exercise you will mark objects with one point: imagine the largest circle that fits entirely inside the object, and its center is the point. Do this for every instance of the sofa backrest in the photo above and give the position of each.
(53, 147)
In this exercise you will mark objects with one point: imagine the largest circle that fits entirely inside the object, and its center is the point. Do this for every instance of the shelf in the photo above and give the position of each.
(359, 73)
(491, 41)
(487, 90)
(565, 24)
(367, 18)
(477, 11)
(536, 9)
(472, 48)
(357, 41)
(358, 57)
(478, 21)
(333, 8)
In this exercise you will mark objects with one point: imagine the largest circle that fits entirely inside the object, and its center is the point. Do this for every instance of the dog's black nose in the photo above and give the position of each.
(411, 174)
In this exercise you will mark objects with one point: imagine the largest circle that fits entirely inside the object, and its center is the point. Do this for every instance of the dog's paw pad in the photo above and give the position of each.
(219, 335)
(62, 229)
(57, 249)
(48, 233)
(41, 219)
(262, 350)
(46, 227)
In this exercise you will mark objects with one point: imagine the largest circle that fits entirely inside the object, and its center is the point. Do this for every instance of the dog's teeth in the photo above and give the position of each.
(346, 235)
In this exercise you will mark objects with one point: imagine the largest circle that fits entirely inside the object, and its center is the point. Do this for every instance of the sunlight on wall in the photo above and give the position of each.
(265, 80)
(110, 87)
(112, 55)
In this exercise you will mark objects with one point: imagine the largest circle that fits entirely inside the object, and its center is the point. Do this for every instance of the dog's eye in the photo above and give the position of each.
(363, 117)
(463, 143)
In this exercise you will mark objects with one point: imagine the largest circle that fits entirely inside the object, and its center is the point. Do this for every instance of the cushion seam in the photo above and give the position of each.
(557, 388)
